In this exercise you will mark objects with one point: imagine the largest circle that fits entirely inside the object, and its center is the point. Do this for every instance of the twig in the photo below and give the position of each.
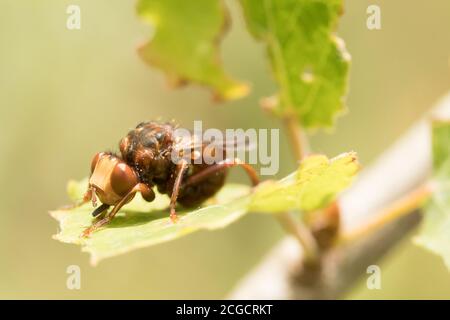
(398, 171)
(404, 206)
(281, 274)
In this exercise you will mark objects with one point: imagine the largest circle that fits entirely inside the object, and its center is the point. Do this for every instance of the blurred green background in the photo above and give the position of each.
(64, 95)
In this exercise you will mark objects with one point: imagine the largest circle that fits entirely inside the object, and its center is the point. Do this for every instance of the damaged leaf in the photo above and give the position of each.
(185, 43)
(309, 61)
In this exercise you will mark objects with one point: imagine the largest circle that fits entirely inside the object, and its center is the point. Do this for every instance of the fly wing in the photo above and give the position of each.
(195, 145)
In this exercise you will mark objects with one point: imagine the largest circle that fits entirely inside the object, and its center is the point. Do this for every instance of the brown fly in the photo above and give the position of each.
(146, 161)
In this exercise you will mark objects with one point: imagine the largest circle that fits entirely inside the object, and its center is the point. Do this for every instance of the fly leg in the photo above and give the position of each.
(141, 187)
(227, 163)
(181, 169)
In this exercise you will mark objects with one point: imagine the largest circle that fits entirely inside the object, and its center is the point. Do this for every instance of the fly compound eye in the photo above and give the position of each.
(95, 160)
(123, 179)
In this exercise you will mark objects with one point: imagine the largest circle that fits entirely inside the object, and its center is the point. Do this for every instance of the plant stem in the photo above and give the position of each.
(287, 220)
(301, 233)
(295, 136)
(403, 206)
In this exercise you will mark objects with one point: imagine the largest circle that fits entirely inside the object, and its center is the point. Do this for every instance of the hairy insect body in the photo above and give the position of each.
(149, 149)
(153, 156)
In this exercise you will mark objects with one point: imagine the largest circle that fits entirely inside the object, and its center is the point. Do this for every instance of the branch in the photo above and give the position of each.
(401, 169)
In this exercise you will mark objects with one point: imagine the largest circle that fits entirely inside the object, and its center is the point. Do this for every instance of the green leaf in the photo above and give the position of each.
(141, 224)
(309, 61)
(312, 187)
(435, 230)
(185, 43)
